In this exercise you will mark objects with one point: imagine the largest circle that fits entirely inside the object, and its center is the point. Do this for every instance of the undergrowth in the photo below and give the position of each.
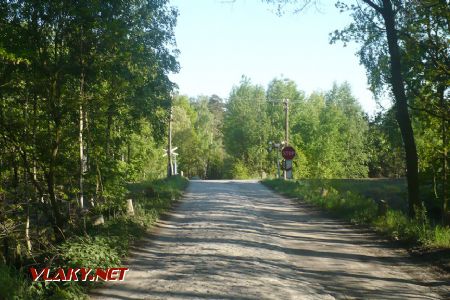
(101, 246)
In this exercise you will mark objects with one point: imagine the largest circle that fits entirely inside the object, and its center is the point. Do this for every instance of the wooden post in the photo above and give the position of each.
(286, 131)
(382, 208)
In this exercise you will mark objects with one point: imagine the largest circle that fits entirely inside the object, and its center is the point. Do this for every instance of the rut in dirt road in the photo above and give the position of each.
(238, 240)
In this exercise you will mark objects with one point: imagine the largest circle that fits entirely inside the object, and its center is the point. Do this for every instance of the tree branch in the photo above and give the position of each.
(374, 6)
(431, 113)
(361, 10)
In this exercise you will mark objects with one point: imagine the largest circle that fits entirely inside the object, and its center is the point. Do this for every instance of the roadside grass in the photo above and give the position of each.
(100, 246)
(394, 191)
(354, 205)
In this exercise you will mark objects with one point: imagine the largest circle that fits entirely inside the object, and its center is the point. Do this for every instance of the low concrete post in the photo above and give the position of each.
(98, 220)
(130, 209)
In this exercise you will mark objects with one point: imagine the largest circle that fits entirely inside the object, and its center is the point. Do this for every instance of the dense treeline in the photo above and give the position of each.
(333, 137)
(328, 130)
(84, 96)
(231, 139)
(198, 135)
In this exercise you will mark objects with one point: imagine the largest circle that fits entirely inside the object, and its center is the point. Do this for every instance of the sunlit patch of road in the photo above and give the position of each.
(238, 240)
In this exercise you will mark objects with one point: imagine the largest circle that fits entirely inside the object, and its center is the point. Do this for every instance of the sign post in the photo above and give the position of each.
(288, 154)
(173, 167)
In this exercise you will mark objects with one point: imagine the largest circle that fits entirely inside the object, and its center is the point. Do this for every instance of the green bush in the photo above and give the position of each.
(56, 291)
(240, 171)
(91, 252)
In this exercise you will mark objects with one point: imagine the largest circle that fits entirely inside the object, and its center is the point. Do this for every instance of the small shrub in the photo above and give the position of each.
(90, 252)
(240, 171)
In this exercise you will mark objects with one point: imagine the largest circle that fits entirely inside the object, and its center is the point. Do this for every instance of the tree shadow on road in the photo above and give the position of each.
(257, 247)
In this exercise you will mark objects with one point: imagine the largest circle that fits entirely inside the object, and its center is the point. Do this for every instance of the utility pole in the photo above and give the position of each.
(278, 162)
(169, 147)
(285, 143)
(286, 132)
(286, 125)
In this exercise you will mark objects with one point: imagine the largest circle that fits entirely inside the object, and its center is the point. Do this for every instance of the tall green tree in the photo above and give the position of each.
(246, 127)
(279, 90)
(396, 37)
(80, 82)
(330, 134)
(385, 147)
(186, 138)
(353, 133)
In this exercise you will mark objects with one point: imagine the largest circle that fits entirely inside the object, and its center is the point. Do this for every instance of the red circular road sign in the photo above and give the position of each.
(288, 152)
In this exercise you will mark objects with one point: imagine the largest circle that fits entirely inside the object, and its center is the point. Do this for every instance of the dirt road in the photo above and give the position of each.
(238, 240)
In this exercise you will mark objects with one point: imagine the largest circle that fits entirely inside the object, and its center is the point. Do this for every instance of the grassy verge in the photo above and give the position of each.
(394, 191)
(101, 247)
(356, 207)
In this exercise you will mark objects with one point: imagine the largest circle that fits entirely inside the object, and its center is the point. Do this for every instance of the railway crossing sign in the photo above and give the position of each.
(171, 152)
(173, 165)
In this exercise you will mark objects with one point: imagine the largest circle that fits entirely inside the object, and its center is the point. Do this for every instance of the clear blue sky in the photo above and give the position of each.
(220, 41)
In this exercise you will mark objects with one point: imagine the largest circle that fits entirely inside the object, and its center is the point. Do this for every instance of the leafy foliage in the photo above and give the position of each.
(104, 246)
(246, 126)
(84, 88)
(404, 46)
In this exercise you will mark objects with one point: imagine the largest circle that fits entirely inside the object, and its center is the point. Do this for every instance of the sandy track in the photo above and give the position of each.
(238, 240)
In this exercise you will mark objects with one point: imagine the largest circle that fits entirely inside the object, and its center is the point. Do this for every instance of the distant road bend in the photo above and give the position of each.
(238, 240)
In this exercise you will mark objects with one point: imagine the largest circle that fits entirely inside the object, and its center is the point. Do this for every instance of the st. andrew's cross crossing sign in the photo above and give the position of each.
(288, 153)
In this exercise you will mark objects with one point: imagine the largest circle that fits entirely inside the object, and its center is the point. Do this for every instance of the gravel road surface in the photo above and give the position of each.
(239, 240)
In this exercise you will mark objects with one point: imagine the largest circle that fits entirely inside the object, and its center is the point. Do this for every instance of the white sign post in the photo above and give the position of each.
(288, 168)
(288, 154)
